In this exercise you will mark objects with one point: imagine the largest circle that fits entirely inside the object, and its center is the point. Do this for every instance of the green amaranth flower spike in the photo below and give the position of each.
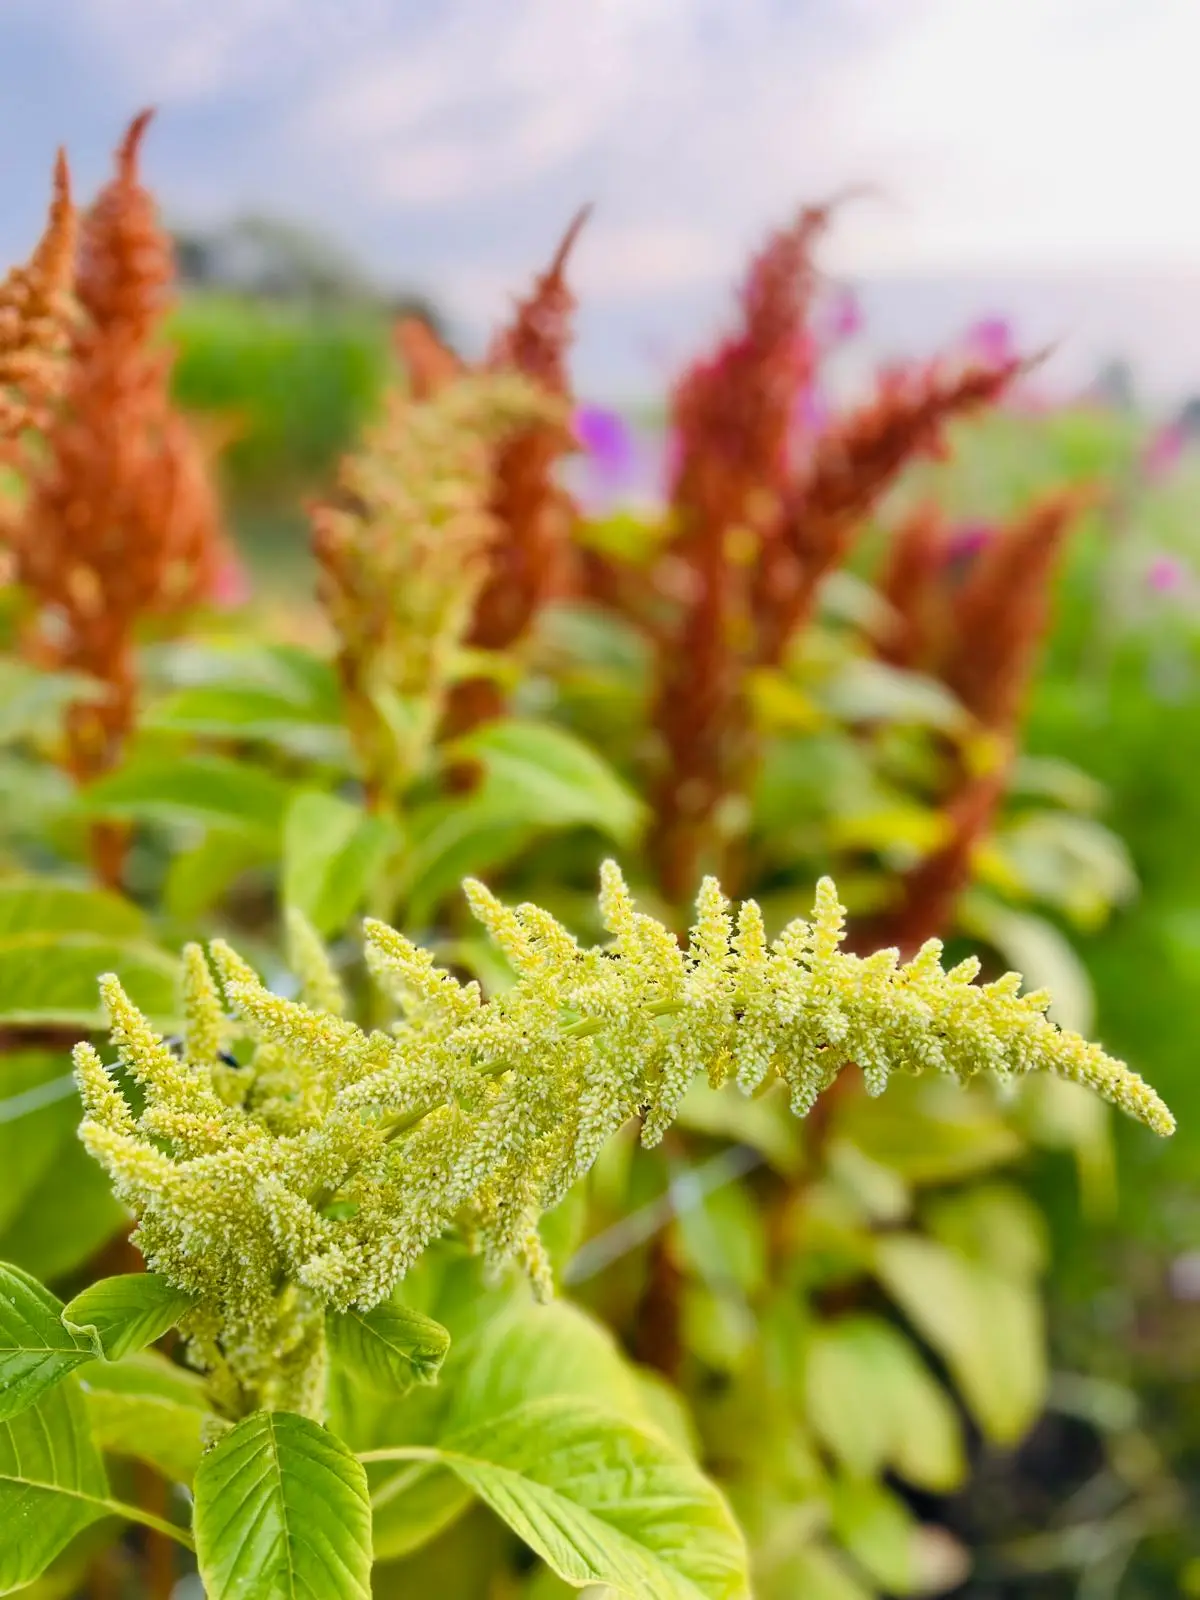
(316, 1174)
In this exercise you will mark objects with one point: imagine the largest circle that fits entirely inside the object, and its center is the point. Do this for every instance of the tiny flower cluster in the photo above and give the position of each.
(317, 1171)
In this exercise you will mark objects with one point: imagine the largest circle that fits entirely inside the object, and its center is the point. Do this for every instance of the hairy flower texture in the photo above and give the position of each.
(732, 414)
(854, 462)
(534, 514)
(317, 1173)
(35, 310)
(758, 532)
(429, 364)
(977, 630)
(404, 555)
(121, 523)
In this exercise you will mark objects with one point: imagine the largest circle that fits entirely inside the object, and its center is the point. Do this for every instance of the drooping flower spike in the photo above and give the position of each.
(317, 1173)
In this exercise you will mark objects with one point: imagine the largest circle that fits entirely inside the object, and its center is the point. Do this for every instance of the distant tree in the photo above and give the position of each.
(271, 258)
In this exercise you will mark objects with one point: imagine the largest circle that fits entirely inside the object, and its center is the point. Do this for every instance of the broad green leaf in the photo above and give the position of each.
(116, 1316)
(602, 1501)
(52, 1484)
(253, 714)
(32, 698)
(197, 879)
(812, 1574)
(36, 1350)
(193, 791)
(287, 672)
(864, 690)
(560, 781)
(995, 1224)
(455, 839)
(66, 1217)
(39, 1113)
(523, 1353)
(42, 905)
(986, 1328)
(874, 1404)
(281, 1511)
(390, 1347)
(926, 1134)
(723, 1240)
(146, 1407)
(877, 1530)
(332, 854)
(49, 979)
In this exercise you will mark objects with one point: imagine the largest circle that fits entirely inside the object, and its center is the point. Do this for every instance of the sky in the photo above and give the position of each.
(1038, 153)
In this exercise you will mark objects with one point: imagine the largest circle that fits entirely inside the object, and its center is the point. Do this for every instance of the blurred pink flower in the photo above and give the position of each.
(967, 540)
(1162, 453)
(1165, 575)
(231, 586)
(812, 412)
(607, 439)
(991, 340)
(844, 318)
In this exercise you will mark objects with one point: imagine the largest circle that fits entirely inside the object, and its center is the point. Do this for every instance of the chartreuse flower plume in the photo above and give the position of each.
(311, 1177)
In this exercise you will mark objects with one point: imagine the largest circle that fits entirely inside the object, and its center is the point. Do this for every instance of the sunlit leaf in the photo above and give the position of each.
(281, 1510)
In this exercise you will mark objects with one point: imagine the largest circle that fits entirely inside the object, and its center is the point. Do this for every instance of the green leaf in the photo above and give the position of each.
(146, 1407)
(32, 698)
(813, 1574)
(602, 1501)
(43, 905)
(524, 1353)
(198, 878)
(332, 853)
(48, 979)
(206, 791)
(455, 839)
(66, 1217)
(560, 781)
(871, 691)
(52, 1484)
(993, 1223)
(877, 1530)
(875, 1405)
(986, 1328)
(36, 1350)
(254, 714)
(281, 1511)
(117, 1316)
(928, 1132)
(39, 1113)
(389, 1348)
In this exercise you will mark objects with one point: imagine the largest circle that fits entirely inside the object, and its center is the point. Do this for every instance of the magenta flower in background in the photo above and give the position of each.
(607, 439)
(991, 340)
(967, 540)
(1162, 453)
(844, 319)
(231, 585)
(1165, 575)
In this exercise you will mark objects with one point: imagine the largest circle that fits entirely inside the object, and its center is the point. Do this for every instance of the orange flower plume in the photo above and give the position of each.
(35, 309)
(121, 522)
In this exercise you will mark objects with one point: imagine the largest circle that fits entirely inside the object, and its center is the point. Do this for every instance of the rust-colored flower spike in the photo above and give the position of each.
(852, 466)
(980, 636)
(35, 310)
(121, 522)
(1002, 609)
(732, 415)
(530, 557)
(429, 363)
